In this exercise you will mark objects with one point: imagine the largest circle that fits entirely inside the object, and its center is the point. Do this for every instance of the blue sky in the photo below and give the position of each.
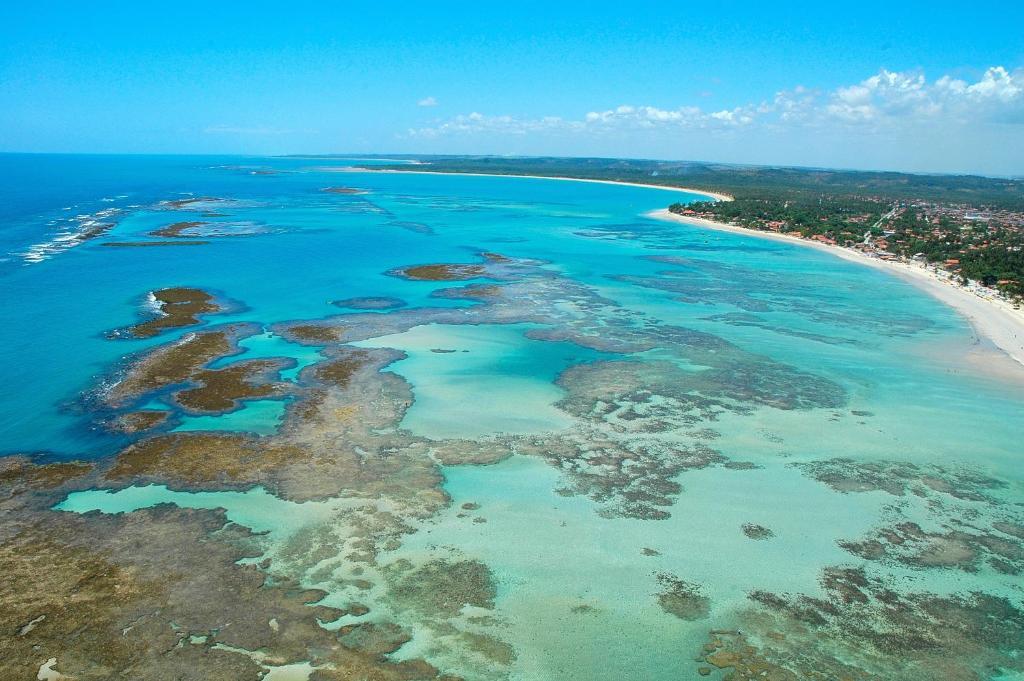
(917, 86)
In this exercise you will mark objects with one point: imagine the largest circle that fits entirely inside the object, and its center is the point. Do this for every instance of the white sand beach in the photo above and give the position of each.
(703, 192)
(990, 316)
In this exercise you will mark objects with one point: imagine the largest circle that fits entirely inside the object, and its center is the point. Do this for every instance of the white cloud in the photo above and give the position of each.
(478, 123)
(624, 117)
(427, 101)
(997, 83)
(886, 99)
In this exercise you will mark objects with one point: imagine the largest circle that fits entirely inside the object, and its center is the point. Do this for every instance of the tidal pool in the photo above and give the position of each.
(471, 381)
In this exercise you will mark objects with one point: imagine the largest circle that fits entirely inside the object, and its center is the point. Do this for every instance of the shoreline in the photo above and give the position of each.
(990, 318)
(993, 319)
(717, 196)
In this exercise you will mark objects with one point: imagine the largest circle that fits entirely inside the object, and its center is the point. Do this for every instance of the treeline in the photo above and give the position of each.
(996, 266)
(844, 219)
(754, 182)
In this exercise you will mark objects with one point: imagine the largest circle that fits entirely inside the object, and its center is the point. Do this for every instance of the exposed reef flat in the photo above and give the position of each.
(205, 230)
(176, 362)
(202, 461)
(333, 445)
(222, 390)
(440, 272)
(316, 334)
(174, 308)
(183, 608)
(138, 421)
(491, 268)
(174, 230)
(19, 474)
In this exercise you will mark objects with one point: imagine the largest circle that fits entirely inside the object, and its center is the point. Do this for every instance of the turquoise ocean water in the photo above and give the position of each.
(917, 386)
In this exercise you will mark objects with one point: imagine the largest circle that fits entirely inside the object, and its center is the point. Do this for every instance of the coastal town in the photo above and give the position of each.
(980, 248)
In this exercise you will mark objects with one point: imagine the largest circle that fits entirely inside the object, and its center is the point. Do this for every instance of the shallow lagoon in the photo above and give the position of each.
(569, 573)
(473, 381)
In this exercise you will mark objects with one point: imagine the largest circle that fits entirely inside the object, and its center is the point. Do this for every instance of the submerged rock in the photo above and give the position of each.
(757, 531)
(682, 599)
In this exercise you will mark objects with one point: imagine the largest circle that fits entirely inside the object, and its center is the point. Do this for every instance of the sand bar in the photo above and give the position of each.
(703, 192)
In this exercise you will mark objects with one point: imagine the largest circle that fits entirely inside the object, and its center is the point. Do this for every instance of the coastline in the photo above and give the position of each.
(990, 318)
(717, 196)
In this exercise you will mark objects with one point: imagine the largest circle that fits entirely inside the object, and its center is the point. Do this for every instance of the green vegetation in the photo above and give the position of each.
(844, 220)
(756, 182)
